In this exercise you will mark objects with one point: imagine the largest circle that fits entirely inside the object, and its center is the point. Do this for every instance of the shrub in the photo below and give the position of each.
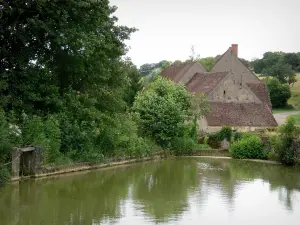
(237, 136)
(273, 156)
(44, 133)
(182, 146)
(279, 93)
(164, 107)
(5, 148)
(214, 140)
(248, 148)
(225, 133)
(286, 146)
(4, 176)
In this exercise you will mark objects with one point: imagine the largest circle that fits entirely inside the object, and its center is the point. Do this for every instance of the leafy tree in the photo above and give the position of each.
(278, 64)
(283, 72)
(292, 59)
(163, 107)
(134, 83)
(279, 93)
(147, 68)
(208, 63)
(287, 141)
(49, 47)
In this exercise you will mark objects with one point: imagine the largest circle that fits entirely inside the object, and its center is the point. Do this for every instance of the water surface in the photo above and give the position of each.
(173, 191)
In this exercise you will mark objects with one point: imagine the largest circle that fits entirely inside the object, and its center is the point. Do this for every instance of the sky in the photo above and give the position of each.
(167, 29)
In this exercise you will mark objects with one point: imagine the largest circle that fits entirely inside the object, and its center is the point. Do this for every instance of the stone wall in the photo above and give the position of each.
(230, 90)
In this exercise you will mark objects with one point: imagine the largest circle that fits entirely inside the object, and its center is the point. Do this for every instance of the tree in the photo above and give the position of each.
(288, 145)
(147, 68)
(50, 47)
(163, 107)
(193, 56)
(278, 64)
(208, 63)
(292, 60)
(134, 83)
(279, 93)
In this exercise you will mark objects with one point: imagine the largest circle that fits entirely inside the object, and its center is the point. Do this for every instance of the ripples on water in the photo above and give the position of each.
(175, 191)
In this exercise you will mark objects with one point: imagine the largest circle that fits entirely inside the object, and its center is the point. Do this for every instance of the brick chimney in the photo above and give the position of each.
(234, 48)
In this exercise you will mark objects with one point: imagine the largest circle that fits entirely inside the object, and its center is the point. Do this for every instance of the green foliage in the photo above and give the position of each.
(5, 148)
(278, 64)
(4, 176)
(44, 133)
(237, 136)
(208, 63)
(279, 93)
(250, 147)
(162, 109)
(225, 133)
(147, 68)
(183, 145)
(285, 145)
(214, 140)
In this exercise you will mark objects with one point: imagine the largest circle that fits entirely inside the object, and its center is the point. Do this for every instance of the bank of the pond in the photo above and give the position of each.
(85, 166)
(115, 162)
(226, 157)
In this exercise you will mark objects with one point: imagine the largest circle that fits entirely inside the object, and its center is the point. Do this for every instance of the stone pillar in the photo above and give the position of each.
(37, 160)
(15, 165)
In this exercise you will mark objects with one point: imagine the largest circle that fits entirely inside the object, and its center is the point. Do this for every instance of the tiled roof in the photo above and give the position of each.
(171, 71)
(205, 82)
(261, 91)
(240, 114)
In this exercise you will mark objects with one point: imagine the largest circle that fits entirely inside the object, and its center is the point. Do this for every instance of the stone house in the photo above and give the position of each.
(236, 95)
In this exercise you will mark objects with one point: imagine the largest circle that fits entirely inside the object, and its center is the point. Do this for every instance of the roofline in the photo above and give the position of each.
(228, 72)
(221, 56)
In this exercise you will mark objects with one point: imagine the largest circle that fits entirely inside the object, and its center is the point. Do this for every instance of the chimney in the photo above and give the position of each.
(234, 48)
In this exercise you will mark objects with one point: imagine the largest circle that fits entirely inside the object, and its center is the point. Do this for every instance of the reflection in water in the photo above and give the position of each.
(174, 191)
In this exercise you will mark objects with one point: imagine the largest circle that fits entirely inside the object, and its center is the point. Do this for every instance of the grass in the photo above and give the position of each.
(297, 118)
(282, 110)
(295, 99)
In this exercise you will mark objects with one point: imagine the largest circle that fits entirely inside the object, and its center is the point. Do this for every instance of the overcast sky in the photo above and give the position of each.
(168, 28)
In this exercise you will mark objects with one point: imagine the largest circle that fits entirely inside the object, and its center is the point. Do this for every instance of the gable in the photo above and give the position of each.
(186, 76)
(229, 90)
(182, 72)
(230, 61)
(173, 70)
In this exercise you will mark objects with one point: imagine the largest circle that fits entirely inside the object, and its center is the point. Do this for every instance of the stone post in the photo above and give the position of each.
(37, 160)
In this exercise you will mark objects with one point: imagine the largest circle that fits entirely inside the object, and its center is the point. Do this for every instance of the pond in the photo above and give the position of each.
(172, 191)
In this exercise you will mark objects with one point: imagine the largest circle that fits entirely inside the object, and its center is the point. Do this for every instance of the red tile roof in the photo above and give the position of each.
(205, 82)
(261, 91)
(172, 71)
(240, 114)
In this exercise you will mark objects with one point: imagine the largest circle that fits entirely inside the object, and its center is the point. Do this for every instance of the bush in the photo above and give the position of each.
(225, 133)
(183, 146)
(163, 109)
(214, 140)
(248, 148)
(237, 136)
(279, 93)
(4, 176)
(44, 133)
(286, 146)
(5, 148)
